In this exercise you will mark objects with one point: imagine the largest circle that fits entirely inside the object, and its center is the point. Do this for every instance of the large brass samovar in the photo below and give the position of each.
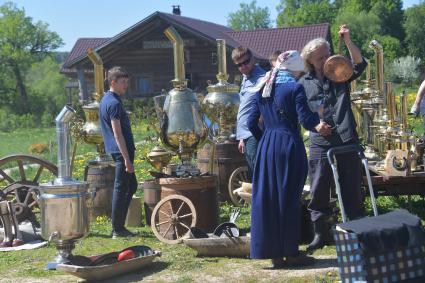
(182, 127)
(222, 101)
(380, 120)
(364, 113)
(91, 131)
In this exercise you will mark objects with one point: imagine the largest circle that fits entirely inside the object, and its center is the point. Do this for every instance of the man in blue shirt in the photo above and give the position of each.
(242, 57)
(119, 142)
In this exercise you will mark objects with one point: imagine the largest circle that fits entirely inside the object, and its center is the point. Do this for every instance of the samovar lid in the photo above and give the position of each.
(93, 105)
(59, 186)
(158, 151)
(223, 88)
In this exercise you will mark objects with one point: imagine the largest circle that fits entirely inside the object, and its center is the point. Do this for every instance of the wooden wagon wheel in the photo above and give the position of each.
(21, 188)
(236, 178)
(172, 218)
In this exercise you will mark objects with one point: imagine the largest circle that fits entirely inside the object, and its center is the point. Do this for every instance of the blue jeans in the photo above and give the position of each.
(250, 153)
(124, 187)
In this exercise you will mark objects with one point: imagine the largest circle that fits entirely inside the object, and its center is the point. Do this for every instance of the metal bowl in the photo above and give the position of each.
(338, 69)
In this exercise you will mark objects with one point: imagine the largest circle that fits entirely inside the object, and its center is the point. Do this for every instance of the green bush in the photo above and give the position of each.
(47, 120)
(10, 121)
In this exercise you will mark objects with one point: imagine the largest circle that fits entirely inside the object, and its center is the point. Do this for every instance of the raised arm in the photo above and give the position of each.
(355, 54)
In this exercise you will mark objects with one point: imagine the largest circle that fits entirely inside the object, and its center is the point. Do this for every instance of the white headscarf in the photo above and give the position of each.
(288, 60)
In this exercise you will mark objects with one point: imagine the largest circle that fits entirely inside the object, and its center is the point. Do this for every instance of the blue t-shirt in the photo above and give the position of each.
(110, 108)
(247, 96)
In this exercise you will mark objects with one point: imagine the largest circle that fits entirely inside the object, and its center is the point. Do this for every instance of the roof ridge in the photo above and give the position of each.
(93, 38)
(269, 29)
(211, 23)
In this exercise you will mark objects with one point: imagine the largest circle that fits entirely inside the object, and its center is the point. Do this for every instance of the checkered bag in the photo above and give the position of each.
(391, 248)
(381, 267)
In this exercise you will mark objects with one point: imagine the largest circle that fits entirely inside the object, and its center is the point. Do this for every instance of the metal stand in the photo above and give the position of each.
(64, 254)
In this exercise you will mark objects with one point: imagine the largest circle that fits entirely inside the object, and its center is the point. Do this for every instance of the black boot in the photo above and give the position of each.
(318, 242)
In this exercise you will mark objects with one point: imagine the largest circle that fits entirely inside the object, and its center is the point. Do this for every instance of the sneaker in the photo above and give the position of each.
(122, 234)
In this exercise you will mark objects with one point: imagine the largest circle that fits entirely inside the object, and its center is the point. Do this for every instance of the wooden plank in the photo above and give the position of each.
(383, 186)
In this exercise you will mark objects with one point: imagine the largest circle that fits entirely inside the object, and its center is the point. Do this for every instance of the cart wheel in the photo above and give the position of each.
(172, 218)
(20, 185)
(236, 178)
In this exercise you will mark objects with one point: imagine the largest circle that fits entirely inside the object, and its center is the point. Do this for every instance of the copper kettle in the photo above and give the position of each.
(338, 68)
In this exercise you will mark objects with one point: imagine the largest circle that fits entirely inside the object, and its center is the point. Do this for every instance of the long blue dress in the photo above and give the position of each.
(281, 168)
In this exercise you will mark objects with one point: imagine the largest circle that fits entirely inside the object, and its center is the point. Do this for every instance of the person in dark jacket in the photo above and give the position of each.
(334, 99)
(281, 163)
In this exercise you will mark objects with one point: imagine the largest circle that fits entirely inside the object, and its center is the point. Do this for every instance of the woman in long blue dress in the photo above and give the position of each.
(281, 165)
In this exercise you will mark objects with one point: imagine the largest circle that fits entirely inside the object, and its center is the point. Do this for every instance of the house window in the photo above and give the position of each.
(143, 85)
(214, 58)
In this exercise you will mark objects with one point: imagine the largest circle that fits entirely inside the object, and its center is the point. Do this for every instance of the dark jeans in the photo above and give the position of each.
(250, 153)
(321, 178)
(124, 187)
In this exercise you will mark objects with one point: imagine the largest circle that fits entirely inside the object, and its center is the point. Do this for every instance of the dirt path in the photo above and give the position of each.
(239, 271)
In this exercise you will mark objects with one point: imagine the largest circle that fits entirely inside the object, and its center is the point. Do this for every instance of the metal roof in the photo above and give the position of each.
(262, 42)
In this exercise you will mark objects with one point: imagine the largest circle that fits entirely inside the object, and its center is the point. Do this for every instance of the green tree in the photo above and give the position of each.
(391, 14)
(362, 26)
(415, 35)
(249, 17)
(48, 93)
(22, 43)
(303, 12)
(391, 46)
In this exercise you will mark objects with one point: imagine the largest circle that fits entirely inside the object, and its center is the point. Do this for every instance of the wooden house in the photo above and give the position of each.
(147, 54)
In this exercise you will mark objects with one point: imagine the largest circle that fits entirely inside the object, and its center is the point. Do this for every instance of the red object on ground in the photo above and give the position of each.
(126, 255)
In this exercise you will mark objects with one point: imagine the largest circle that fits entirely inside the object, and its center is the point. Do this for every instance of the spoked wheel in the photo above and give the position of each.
(172, 218)
(19, 178)
(235, 181)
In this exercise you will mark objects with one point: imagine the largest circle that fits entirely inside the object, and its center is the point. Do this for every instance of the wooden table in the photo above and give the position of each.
(384, 185)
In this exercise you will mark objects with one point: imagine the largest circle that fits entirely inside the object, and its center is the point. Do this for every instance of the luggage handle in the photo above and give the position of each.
(346, 149)
(342, 149)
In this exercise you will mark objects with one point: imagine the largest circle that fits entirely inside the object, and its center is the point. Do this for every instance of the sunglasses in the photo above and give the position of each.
(246, 62)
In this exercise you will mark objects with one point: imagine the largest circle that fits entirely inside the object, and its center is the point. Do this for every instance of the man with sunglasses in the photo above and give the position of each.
(242, 57)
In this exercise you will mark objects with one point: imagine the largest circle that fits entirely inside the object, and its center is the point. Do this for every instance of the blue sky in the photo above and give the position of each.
(73, 19)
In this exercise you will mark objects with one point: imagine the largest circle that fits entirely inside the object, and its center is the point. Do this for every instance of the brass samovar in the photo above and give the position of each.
(380, 120)
(222, 101)
(91, 131)
(364, 112)
(182, 127)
